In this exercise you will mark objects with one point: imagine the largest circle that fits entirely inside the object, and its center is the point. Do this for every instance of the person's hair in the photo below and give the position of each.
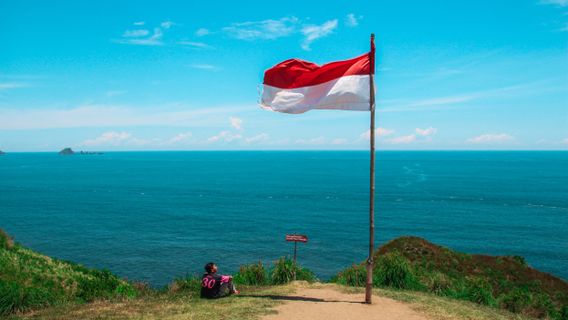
(209, 267)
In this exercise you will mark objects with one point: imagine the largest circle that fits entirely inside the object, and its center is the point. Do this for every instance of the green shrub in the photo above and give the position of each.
(515, 300)
(6, 242)
(16, 298)
(439, 283)
(354, 276)
(126, 290)
(520, 260)
(563, 313)
(544, 306)
(191, 284)
(252, 274)
(479, 291)
(102, 284)
(393, 270)
(305, 274)
(283, 272)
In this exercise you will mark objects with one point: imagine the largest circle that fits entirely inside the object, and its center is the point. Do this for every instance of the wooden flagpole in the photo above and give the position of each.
(370, 262)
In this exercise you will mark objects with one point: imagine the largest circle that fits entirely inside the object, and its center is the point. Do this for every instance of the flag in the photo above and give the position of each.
(297, 86)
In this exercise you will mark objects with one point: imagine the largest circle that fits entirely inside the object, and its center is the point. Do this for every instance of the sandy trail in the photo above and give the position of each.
(326, 303)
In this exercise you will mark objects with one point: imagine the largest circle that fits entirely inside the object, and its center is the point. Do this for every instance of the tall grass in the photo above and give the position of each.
(253, 275)
(30, 280)
(393, 270)
(283, 272)
(499, 282)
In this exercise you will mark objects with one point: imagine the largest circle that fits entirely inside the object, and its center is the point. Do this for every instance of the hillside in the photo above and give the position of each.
(501, 282)
(30, 280)
(437, 283)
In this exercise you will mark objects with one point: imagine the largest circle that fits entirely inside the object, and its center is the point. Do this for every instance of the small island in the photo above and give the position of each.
(66, 152)
(69, 151)
(2, 153)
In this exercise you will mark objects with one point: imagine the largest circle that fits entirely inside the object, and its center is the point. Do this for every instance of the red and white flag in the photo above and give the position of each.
(297, 86)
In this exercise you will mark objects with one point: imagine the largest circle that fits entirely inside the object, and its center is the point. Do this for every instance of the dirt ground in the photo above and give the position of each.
(327, 303)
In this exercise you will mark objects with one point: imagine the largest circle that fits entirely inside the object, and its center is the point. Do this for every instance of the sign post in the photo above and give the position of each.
(296, 238)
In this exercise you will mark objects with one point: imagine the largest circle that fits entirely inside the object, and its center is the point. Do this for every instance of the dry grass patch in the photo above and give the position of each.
(251, 304)
(442, 308)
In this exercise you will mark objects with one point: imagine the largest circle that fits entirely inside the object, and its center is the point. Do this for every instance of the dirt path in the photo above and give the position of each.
(327, 303)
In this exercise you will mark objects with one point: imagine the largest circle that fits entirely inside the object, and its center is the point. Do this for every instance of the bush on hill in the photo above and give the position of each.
(253, 275)
(503, 282)
(30, 280)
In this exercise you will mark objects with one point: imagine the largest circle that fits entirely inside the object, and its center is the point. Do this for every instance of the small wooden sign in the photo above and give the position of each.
(296, 238)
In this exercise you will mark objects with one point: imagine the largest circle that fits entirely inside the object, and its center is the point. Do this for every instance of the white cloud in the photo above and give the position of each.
(565, 141)
(112, 138)
(166, 24)
(125, 139)
(263, 30)
(351, 20)
(441, 101)
(182, 137)
(204, 66)
(263, 137)
(339, 141)
(136, 33)
(403, 139)
(12, 85)
(314, 32)
(426, 132)
(312, 141)
(381, 132)
(202, 32)
(560, 3)
(224, 136)
(236, 123)
(143, 37)
(139, 23)
(106, 115)
(195, 44)
(491, 138)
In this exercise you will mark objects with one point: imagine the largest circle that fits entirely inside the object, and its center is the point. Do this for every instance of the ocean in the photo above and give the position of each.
(155, 216)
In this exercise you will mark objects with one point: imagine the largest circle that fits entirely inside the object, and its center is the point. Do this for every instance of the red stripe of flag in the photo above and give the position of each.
(296, 73)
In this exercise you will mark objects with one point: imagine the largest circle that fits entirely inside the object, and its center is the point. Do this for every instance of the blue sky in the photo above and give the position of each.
(118, 75)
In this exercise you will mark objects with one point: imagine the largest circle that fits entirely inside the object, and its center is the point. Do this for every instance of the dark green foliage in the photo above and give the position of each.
(439, 283)
(283, 272)
(479, 291)
(104, 285)
(354, 276)
(30, 280)
(393, 270)
(520, 260)
(564, 313)
(506, 282)
(15, 297)
(189, 284)
(252, 274)
(516, 300)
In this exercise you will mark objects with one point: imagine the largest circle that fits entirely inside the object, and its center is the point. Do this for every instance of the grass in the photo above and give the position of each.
(499, 282)
(442, 308)
(30, 280)
(168, 305)
(434, 280)
(281, 272)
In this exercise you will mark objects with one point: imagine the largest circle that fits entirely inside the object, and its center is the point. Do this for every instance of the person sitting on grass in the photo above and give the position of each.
(215, 286)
